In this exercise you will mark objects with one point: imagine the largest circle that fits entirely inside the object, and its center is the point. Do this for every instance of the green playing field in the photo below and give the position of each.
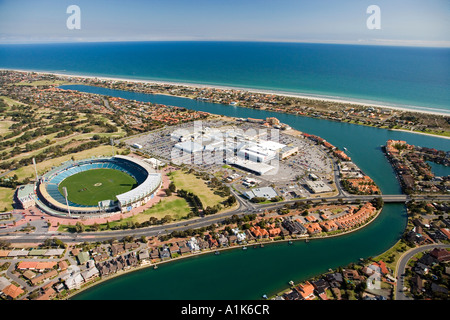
(90, 187)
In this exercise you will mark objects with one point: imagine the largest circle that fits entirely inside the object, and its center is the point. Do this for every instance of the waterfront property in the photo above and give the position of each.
(412, 169)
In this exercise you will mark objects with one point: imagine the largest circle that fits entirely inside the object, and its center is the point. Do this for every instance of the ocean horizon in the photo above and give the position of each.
(413, 78)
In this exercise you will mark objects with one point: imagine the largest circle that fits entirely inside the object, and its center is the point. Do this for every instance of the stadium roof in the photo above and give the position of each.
(146, 188)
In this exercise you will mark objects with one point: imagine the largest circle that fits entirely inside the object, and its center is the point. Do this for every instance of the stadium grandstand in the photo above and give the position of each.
(52, 200)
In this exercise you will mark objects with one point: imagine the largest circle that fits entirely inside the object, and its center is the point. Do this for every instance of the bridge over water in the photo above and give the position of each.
(387, 198)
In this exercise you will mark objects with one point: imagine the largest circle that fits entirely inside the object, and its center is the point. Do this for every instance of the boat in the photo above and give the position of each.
(155, 267)
(262, 246)
(217, 252)
(291, 283)
(306, 240)
(264, 296)
(290, 242)
(244, 248)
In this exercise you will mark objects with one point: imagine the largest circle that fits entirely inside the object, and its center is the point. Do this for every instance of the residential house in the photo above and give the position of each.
(73, 278)
(223, 240)
(144, 255)
(174, 249)
(101, 257)
(154, 254)
(294, 227)
(90, 274)
(183, 248)
(440, 254)
(83, 257)
(131, 246)
(417, 284)
(164, 252)
(232, 239)
(28, 274)
(12, 291)
(43, 277)
(293, 295)
(436, 288)
(320, 287)
(103, 269)
(351, 274)
(193, 244)
(132, 259)
(334, 279)
(420, 269)
(47, 295)
(274, 232)
(306, 291)
(259, 232)
(313, 228)
(117, 249)
(311, 218)
(63, 265)
(36, 265)
(202, 244)
(75, 251)
(329, 225)
(213, 243)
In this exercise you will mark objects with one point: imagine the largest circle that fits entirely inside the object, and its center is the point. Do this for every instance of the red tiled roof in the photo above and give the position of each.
(12, 291)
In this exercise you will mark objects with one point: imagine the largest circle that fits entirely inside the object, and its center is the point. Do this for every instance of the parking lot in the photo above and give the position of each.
(288, 177)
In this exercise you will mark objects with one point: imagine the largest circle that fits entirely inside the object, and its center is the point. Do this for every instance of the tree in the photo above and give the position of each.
(377, 203)
(79, 227)
(153, 220)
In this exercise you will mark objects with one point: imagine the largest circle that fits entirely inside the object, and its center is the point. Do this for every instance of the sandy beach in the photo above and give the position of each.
(252, 90)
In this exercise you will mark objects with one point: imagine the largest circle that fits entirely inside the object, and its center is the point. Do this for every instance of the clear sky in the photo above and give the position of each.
(403, 22)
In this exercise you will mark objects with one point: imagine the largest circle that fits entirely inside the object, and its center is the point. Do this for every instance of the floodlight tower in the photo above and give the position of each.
(35, 169)
(112, 146)
(67, 202)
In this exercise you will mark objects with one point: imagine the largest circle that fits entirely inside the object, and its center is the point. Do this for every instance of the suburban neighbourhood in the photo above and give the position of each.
(417, 267)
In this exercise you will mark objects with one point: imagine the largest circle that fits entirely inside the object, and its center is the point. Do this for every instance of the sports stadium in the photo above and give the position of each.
(96, 187)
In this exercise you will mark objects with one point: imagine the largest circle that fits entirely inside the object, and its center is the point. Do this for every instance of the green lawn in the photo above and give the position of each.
(90, 187)
(196, 185)
(6, 199)
(176, 207)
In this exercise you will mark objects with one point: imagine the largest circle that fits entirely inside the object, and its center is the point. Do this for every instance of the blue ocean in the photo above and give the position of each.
(412, 77)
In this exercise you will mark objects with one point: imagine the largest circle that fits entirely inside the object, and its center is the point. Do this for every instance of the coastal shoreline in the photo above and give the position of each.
(421, 133)
(251, 90)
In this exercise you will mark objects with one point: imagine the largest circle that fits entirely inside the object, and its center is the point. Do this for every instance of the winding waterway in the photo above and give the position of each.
(239, 274)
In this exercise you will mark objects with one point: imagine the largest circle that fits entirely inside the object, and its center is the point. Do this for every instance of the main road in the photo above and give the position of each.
(245, 207)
